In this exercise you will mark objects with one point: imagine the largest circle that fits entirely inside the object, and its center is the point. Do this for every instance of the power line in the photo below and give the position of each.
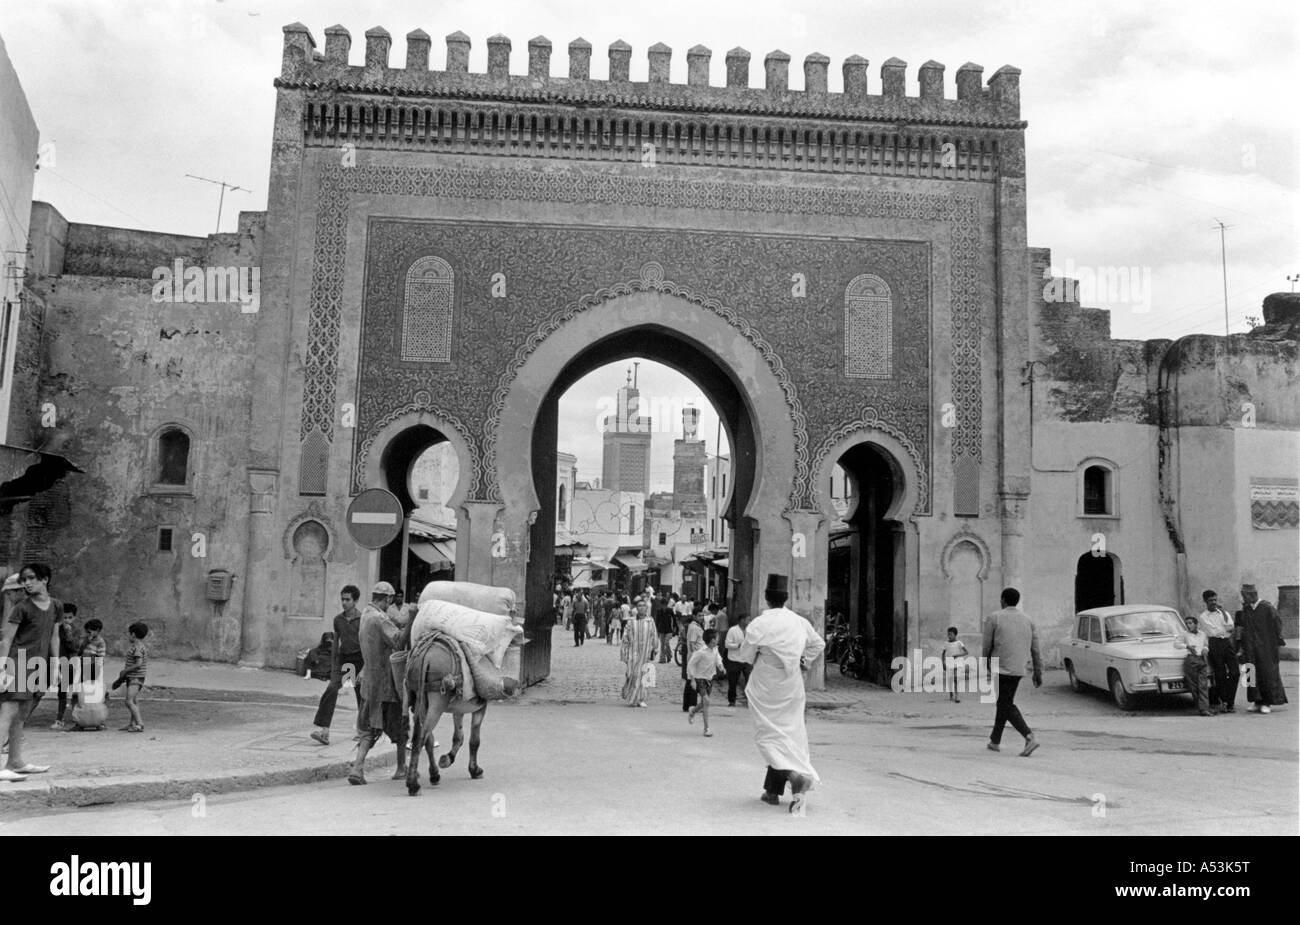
(1197, 306)
(134, 218)
(1160, 189)
(1205, 173)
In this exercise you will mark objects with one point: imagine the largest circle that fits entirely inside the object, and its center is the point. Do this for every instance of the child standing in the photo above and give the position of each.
(702, 668)
(68, 646)
(952, 652)
(137, 658)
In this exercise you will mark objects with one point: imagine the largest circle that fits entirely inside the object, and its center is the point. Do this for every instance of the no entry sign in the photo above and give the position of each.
(375, 518)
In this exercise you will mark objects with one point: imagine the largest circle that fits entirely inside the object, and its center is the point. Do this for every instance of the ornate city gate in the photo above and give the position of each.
(448, 252)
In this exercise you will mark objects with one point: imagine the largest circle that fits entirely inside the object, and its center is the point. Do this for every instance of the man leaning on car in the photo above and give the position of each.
(1217, 624)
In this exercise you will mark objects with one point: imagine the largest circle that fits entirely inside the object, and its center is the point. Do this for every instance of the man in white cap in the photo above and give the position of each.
(381, 710)
(780, 644)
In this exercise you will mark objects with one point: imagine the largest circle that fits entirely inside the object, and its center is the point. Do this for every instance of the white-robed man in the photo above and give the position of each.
(780, 644)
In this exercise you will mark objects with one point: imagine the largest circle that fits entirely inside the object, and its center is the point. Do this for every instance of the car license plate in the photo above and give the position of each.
(1178, 685)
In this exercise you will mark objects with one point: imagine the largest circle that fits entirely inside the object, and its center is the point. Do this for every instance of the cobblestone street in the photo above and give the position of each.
(593, 673)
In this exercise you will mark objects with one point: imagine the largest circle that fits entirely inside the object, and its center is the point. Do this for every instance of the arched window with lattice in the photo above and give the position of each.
(426, 311)
(868, 328)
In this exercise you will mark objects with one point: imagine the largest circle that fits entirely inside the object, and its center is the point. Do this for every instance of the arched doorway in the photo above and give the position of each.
(735, 375)
(867, 553)
(1098, 581)
(418, 464)
(648, 342)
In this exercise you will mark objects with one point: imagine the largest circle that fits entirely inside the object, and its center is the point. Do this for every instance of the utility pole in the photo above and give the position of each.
(221, 201)
(1293, 279)
(1223, 251)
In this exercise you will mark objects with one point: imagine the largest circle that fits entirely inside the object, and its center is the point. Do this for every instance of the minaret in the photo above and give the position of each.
(690, 456)
(626, 463)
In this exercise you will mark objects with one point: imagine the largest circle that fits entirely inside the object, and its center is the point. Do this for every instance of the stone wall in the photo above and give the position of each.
(120, 366)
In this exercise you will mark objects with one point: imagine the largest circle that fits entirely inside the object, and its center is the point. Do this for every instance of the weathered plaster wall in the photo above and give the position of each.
(120, 366)
(1135, 535)
(1267, 558)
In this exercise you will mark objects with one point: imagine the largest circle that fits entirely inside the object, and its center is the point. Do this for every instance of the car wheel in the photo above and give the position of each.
(1123, 699)
(1075, 684)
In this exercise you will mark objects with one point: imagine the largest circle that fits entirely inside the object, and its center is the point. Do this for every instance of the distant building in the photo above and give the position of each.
(626, 463)
(433, 481)
(689, 460)
(566, 484)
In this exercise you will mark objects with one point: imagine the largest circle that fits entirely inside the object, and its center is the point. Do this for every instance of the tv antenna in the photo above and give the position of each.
(1223, 251)
(221, 201)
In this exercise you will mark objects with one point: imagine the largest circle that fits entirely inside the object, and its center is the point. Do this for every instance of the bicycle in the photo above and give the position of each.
(853, 660)
(836, 642)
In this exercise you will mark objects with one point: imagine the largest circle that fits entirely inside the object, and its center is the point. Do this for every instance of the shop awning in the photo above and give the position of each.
(724, 562)
(430, 530)
(629, 562)
(438, 553)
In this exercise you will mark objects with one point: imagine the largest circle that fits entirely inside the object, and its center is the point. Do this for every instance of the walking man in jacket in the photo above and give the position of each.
(1011, 638)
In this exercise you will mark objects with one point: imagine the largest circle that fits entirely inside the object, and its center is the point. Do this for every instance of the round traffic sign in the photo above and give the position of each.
(375, 518)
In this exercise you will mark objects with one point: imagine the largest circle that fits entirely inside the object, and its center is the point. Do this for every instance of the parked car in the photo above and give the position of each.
(1127, 650)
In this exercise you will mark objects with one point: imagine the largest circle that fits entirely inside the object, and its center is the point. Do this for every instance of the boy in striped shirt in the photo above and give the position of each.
(137, 658)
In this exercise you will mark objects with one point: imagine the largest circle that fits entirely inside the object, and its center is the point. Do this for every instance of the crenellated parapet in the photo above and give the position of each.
(866, 127)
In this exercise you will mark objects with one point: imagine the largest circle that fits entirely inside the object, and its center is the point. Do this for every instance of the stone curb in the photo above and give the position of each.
(79, 792)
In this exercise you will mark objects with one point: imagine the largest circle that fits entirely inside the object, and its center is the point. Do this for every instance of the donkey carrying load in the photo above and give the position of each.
(462, 642)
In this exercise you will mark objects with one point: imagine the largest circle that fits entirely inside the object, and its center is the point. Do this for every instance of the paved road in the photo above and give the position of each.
(906, 763)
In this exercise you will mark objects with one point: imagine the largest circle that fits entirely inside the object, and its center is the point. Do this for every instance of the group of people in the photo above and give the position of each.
(602, 615)
(369, 636)
(766, 657)
(1219, 643)
(40, 641)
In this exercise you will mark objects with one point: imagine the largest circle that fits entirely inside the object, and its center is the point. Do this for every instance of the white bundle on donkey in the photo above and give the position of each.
(465, 648)
(481, 619)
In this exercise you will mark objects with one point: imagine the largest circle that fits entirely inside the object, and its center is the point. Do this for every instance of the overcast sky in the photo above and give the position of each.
(1147, 124)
